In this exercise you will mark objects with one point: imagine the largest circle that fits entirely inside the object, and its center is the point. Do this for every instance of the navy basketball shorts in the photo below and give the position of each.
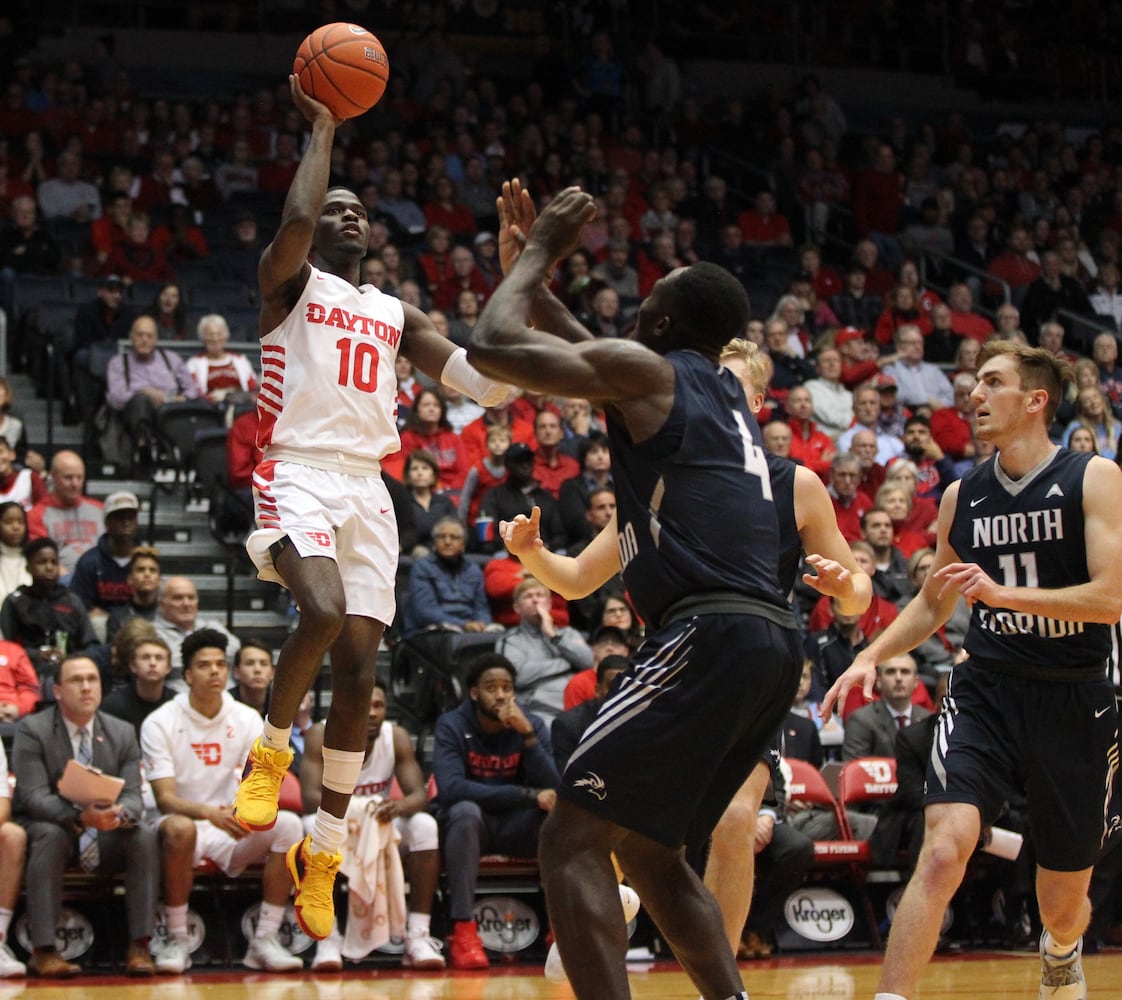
(1058, 742)
(684, 726)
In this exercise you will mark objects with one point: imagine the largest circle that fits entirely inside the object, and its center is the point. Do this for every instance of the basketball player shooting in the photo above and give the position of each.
(325, 523)
(1031, 540)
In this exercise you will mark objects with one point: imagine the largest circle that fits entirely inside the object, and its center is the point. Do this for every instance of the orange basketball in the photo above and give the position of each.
(344, 67)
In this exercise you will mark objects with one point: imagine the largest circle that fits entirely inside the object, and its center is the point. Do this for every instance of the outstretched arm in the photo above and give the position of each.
(836, 571)
(570, 576)
(504, 346)
(929, 609)
(516, 213)
(284, 264)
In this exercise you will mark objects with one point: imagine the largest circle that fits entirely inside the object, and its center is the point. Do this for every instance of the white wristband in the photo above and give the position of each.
(459, 374)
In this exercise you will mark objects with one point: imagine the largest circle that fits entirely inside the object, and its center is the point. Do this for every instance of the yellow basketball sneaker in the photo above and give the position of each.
(255, 801)
(314, 875)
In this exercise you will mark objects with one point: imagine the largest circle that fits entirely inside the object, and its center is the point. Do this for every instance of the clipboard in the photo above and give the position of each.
(83, 785)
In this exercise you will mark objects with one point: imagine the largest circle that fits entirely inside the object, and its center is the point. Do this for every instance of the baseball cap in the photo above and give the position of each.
(482, 238)
(882, 381)
(802, 275)
(112, 281)
(517, 452)
(120, 501)
(494, 149)
(848, 334)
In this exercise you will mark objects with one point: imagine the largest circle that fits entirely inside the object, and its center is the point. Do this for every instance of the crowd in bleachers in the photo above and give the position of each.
(876, 265)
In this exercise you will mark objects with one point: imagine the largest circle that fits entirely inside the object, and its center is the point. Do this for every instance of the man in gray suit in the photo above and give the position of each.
(100, 837)
(871, 731)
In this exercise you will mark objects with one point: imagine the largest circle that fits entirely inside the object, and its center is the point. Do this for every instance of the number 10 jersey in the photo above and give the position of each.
(328, 386)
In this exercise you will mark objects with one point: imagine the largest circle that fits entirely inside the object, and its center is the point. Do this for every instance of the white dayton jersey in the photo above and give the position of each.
(205, 756)
(328, 384)
(377, 771)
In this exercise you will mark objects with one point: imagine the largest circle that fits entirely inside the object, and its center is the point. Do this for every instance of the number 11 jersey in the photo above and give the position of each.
(1028, 533)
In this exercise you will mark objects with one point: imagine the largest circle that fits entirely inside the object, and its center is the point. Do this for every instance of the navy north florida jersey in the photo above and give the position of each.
(694, 501)
(1028, 533)
(782, 472)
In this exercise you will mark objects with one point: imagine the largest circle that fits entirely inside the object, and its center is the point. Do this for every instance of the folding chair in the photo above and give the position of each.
(176, 426)
(808, 785)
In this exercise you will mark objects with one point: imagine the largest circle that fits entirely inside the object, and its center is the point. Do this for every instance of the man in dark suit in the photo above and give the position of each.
(570, 725)
(101, 837)
(871, 731)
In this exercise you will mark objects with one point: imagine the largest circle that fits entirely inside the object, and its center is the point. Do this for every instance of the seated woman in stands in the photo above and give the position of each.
(221, 376)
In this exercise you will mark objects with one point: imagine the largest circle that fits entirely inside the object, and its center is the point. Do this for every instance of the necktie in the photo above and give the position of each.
(901, 722)
(88, 854)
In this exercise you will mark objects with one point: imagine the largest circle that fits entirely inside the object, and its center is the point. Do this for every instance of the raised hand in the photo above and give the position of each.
(523, 534)
(830, 577)
(309, 107)
(863, 671)
(558, 228)
(516, 217)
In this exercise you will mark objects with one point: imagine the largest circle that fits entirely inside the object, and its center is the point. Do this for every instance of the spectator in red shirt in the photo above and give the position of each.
(242, 451)
(445, 209)
(763, 225)
(878, 196)
(809, 445)
(864, 445)
(1014, 266)
(428, 428)
(827, 281)
(850, 504)
(156, 188)
(465, 277)
(551, 466)
(19, 683)
(952, 427)
(112, 228)
(859, 356)
(964, 320)
(137, 259)
(879, 280)
(179, 238)
(275, 174)
(474, 435)
(896, 502)
(903, 309)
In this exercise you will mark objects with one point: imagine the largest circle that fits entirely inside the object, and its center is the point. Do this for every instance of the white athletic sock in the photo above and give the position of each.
(417, 925)
(177, 921)
(274, 737)
(1056, 949)
(269, 919)
(328, 832)
(889, 996)
(5, 922)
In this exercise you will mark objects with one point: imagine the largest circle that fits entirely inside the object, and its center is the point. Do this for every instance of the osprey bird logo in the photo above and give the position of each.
(595, 785)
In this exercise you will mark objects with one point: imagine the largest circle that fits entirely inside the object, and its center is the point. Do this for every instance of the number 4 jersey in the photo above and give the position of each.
(695, 505)
(328, 387)
(1028, 533)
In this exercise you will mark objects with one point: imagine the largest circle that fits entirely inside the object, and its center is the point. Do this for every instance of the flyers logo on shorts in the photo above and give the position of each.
(594, 784)
(209, 753)
(321, 538)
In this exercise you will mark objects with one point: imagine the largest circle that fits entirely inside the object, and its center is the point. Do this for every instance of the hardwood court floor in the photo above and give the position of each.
(977, 975)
